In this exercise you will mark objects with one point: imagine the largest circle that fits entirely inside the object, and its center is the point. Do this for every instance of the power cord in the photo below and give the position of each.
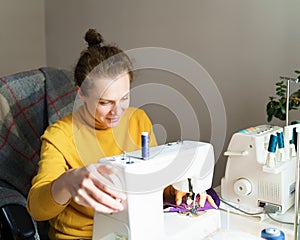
(268, 210)
(241, 210)
(277, 220)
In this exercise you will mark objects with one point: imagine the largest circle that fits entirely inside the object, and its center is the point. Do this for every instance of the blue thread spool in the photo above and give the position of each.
(272, 144)
(280, 140)
(145, 145)
(272, 234)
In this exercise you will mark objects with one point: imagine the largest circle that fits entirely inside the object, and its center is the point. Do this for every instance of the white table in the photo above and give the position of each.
(254, 225)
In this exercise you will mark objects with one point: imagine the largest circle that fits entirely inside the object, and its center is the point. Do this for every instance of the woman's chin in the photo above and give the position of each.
(112, 124)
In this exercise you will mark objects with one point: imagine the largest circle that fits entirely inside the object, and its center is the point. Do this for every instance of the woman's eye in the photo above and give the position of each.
(125, 98)
(104, 103)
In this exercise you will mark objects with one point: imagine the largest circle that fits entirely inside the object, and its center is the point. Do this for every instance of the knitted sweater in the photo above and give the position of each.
(74, 142)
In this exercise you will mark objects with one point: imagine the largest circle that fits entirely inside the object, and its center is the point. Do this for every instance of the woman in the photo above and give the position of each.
(65, 191)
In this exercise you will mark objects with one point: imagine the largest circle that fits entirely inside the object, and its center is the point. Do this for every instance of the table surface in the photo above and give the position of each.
(232, 220)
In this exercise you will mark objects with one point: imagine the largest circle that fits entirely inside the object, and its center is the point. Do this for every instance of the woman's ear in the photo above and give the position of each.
(81, 94)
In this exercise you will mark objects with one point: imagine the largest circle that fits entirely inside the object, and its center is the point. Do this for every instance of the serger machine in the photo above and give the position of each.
(144, 182)
(260, 169)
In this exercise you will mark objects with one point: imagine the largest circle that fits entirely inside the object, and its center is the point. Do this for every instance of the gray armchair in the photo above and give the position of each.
(29, 102)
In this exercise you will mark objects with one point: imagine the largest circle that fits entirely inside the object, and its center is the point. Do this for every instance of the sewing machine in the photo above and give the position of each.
(144, 182)
(250, 180)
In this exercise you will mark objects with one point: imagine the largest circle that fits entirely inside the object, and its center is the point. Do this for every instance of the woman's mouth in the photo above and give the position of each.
(113, 119)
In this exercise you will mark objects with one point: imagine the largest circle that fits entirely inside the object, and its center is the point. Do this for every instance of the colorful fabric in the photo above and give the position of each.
(29, 102)
(184, 207)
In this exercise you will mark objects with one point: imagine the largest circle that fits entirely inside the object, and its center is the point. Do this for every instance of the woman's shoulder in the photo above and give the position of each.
(137, 117)
(62, 126)
(63, 123)
(134, 112)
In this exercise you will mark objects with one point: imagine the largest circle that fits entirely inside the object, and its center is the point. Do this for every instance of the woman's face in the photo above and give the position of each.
(108, 99)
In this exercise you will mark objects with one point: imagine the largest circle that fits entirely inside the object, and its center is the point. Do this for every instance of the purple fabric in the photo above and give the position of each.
(183, 207)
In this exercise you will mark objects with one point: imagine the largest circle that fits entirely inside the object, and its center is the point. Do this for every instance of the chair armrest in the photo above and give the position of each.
(16, 223)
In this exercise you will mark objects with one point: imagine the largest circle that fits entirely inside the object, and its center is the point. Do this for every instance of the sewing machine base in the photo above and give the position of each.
(177, 227)
(192, 227)
(143, 217)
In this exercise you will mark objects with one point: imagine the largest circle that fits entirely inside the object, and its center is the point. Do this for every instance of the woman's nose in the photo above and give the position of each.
(116, 110)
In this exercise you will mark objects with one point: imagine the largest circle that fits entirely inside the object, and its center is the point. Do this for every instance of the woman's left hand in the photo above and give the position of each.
(170, 193)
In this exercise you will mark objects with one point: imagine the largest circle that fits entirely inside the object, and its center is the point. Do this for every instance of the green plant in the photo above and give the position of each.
(276, 107)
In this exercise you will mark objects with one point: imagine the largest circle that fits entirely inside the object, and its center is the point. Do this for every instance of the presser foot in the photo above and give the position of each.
(191, 214)
(192, 209)
(191, 201)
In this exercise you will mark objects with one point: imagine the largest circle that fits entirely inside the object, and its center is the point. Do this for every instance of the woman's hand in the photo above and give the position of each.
(170, 193)
(88, 189)
(203, 197)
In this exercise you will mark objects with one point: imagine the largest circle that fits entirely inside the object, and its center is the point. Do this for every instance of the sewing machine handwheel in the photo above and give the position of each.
(242, 187)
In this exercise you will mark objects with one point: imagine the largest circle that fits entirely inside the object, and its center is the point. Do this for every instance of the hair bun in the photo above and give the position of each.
(93, 38)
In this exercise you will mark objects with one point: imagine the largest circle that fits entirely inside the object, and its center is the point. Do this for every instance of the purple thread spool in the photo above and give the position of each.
(145, 145)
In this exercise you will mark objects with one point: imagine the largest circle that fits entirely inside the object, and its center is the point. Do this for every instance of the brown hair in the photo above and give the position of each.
(102, 60)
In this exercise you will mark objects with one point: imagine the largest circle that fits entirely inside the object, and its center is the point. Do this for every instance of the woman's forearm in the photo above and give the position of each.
(59, 190)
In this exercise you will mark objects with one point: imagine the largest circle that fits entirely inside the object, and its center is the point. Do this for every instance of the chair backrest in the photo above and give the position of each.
(29, 102)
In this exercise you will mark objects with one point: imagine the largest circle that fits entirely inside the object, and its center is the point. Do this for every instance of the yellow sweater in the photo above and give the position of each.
(73, 142)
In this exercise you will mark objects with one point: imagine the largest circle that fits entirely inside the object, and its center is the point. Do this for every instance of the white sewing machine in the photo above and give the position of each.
(144, 182)
(249, 181)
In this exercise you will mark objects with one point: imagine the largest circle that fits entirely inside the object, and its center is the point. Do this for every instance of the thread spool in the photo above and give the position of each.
(272, 234)
(272, 143)
(145, 145)
(292, 149)
(271, 151)
(281, 153)
(280, 140)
